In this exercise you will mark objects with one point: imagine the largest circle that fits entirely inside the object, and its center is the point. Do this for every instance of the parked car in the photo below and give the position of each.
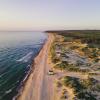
(51, 72)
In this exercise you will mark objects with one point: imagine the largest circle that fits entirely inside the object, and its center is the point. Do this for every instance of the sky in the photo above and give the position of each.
(49, 14)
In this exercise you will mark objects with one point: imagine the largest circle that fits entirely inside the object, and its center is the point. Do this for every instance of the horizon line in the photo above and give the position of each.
(46, 30)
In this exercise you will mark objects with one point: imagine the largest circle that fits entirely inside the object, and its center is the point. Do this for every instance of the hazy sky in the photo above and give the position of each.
(49, 14)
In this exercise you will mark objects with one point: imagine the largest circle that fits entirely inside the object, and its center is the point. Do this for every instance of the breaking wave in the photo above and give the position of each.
(26, 58)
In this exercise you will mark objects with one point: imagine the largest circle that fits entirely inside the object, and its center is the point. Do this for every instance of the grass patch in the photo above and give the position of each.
(82, 88)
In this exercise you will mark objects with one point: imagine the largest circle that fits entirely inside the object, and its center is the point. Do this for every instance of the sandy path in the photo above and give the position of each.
(39, 85)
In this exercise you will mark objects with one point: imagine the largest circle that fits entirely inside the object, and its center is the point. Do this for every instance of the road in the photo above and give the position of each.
(39, 85)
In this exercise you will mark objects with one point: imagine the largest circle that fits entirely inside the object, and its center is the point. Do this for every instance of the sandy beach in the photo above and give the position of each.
(39, 85)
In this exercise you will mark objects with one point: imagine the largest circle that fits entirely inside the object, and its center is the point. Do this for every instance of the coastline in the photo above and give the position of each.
(24, 81)
(29, 77)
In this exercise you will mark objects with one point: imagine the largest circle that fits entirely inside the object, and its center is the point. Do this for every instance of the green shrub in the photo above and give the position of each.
(85, 95)
(80, 87)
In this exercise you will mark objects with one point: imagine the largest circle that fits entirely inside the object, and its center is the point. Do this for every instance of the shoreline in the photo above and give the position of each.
(28, 78)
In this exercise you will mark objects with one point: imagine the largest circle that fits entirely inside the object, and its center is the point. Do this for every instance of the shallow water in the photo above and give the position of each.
(17, 51)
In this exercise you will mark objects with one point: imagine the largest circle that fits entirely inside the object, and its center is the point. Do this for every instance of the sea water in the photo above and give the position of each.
(17, 51)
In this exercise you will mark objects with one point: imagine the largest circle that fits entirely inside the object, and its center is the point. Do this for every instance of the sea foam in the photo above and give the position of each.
(26, 58)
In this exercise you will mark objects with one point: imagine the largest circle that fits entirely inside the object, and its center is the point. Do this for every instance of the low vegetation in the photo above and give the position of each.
(75, 42)
(82, 88)
(77, 51)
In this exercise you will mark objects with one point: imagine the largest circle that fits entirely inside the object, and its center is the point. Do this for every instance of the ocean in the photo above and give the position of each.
(17, 52)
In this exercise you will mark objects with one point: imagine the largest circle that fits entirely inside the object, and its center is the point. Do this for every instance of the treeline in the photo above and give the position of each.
(87, 36)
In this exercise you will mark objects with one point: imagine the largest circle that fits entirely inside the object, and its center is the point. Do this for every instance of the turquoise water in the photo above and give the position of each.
(17, 51)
